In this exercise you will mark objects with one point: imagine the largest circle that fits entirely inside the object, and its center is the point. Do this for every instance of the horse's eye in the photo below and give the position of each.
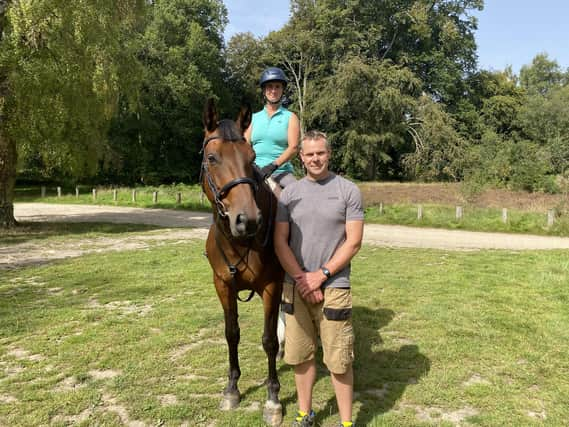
(211, 159)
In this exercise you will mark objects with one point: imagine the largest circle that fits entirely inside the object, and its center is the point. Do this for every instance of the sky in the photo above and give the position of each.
(510, 32)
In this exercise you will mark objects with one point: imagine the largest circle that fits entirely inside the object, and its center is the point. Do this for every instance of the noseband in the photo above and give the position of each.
(220, 193)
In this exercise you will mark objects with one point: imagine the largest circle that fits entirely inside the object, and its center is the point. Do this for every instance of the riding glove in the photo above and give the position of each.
(267, 170)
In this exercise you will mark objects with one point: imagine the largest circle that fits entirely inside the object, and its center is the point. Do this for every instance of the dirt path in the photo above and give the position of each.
(193, 225)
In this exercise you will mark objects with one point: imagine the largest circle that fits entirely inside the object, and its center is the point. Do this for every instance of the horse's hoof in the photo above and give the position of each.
(229, 401)
(273, 413)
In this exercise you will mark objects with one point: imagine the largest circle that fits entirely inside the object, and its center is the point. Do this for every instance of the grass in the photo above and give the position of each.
(434, 215)
(115, 338)
(191, 196)
(473, 219)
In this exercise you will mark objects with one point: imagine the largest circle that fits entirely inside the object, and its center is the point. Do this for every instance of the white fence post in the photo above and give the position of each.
(76, 191)
(419, 212)
(550, 217)
(155, 197)
(459, 212)
(58, 192)
(94, 194)
(133, 196)
(114, 195)
(505, 215)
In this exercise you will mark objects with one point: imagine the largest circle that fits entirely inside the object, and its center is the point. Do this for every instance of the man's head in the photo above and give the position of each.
(315, 154)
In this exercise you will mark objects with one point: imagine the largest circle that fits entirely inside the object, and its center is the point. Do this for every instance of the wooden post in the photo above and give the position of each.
(94, 194)
(381, 208)
(58, 192)
(178, 198)
(114, 195)
(419, 212)
(505, 215)
(43, 191)
(76, 191)
(202, 195)
(133, 196)
(550, 217)
(155, 197)
(459, 212)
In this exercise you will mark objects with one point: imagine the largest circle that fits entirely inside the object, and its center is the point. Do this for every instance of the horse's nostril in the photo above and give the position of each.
(241, 219)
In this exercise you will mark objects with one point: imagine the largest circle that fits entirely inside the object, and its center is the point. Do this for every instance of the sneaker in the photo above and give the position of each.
(304, 421)
(340, 424)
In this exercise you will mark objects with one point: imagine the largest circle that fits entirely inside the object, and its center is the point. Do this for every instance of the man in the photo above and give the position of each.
(318, 231)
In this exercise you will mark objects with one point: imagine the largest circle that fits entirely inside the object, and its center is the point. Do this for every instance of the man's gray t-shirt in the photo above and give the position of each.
(317, 212)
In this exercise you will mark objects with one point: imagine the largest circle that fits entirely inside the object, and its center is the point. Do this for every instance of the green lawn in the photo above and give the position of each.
(441, 338)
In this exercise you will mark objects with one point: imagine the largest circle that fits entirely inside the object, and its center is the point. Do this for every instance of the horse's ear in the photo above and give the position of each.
(209, 116)
(244, 118)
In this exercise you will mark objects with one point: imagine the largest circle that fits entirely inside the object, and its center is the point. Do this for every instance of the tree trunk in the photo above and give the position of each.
(7, 179)
(8, 153)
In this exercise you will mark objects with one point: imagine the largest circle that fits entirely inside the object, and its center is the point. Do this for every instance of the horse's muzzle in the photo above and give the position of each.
(246, 226)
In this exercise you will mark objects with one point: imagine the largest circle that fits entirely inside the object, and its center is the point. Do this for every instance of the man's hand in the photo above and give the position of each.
(267, 170)
(309, 282)
(314, 297)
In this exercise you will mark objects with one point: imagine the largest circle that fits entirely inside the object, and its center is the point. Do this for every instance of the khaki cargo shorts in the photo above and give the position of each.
(331, 320)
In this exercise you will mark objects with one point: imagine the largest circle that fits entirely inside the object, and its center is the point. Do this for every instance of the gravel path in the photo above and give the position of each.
(184, 225)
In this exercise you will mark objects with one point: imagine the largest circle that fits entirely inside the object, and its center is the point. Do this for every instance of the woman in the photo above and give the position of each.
(274, 131)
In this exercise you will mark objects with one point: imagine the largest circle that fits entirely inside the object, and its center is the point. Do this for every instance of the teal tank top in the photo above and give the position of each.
(269, 137)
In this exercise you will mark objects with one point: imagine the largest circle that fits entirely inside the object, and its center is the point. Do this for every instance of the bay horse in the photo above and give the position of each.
(239, 245)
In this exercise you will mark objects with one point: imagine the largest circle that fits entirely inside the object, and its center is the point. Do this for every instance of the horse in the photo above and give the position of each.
(239, 246)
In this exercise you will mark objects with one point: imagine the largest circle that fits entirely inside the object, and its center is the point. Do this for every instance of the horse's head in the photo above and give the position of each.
(227, 171)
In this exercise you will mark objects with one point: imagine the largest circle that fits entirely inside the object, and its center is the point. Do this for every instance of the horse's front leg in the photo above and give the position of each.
(272, 412)
(231, 395)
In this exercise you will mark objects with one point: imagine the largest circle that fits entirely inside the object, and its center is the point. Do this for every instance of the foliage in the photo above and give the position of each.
(180, 52)
(70, 61)
(509, 163)
(112, 92)
(439, 149)
(367, 108)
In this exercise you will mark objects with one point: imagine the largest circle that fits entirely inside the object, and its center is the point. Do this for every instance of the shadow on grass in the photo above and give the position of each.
(380, 376)
(26, 231)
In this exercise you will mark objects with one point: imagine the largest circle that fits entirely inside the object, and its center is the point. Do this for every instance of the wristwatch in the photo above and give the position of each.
(326, 272)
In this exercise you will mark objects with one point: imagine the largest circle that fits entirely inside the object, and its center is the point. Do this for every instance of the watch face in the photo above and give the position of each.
(326, 272)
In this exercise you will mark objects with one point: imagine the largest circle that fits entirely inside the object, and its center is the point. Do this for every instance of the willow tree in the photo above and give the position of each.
(62, 66)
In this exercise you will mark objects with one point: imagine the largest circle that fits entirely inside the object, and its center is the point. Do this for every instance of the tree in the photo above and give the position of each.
(181, 55)
(63, 65)
(244, 52)
(542, 75)
(544, 119)
(367, 110)
(439, 149)
(8, 154)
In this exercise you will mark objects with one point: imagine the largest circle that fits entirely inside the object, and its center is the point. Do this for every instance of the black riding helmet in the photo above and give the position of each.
(273, 74)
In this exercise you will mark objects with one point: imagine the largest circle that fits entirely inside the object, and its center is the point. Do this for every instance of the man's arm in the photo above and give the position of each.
(289, 261)
(313, 280)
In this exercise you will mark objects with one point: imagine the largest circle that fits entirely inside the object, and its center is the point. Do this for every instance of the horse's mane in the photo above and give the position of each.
(228, 131)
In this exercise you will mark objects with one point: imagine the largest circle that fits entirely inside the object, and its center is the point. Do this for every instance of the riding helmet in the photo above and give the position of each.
(272, 74)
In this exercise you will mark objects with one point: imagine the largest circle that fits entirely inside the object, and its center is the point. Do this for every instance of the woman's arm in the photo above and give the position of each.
(293, 139)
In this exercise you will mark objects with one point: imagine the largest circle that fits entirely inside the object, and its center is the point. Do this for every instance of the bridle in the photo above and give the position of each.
(220, 193)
